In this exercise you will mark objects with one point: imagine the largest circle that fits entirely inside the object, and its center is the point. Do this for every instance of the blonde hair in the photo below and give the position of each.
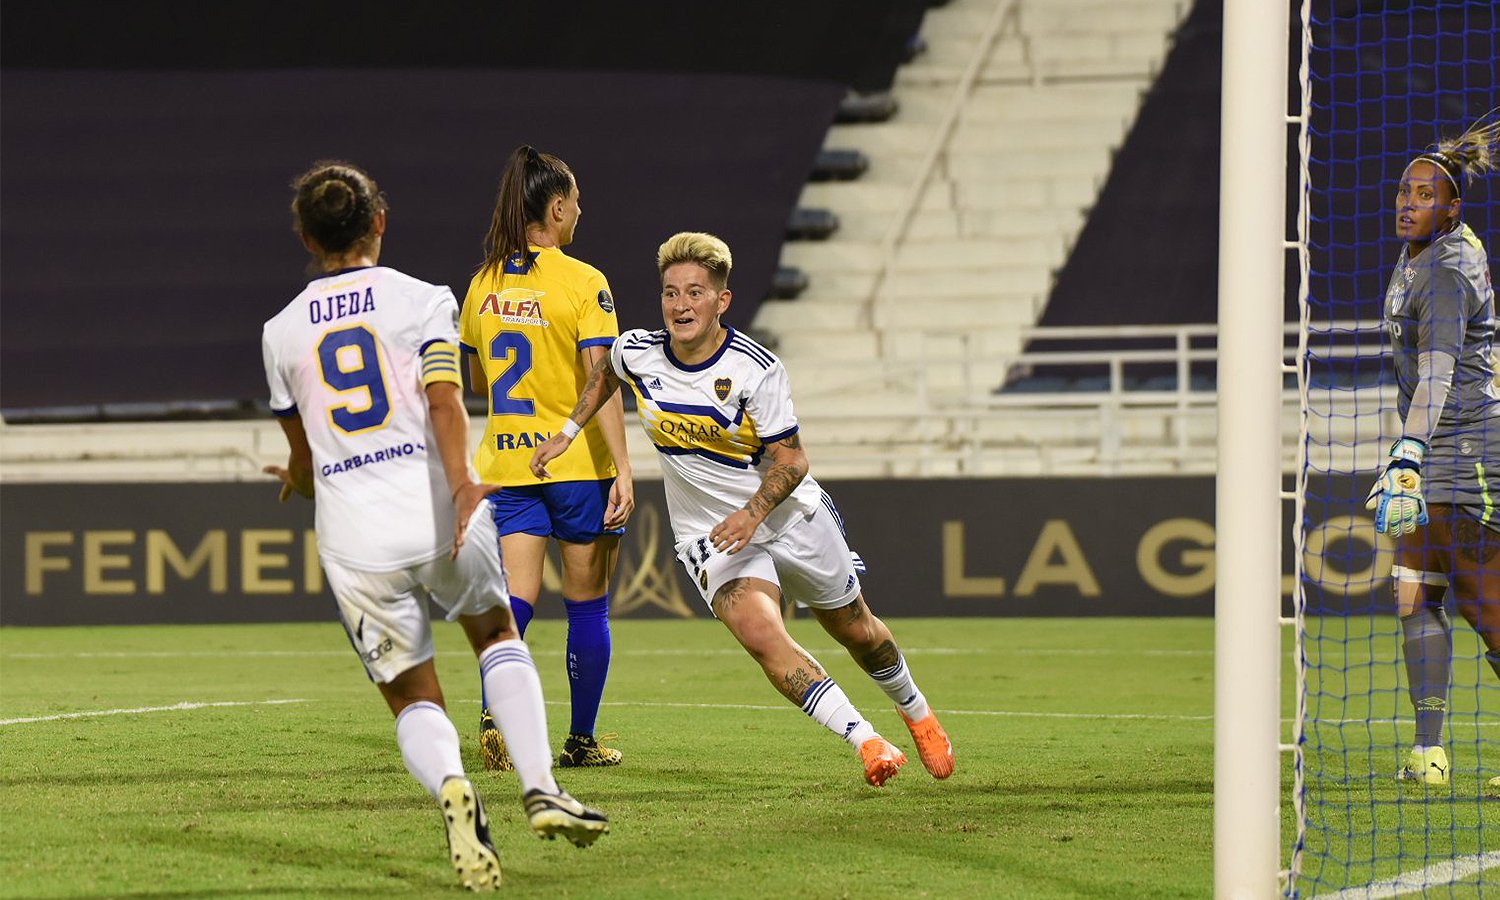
(697, 247)
(1471, 153)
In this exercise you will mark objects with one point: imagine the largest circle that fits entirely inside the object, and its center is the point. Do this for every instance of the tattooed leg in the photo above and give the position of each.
(750, 608)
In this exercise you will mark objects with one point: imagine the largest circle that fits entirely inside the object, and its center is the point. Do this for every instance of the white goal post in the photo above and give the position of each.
(1248, 497)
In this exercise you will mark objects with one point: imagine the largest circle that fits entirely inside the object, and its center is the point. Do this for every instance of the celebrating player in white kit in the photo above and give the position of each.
(364, 379)
(748, 522)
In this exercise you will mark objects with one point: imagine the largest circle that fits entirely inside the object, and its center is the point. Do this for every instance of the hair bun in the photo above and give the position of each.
(336, 200)
(336, 203)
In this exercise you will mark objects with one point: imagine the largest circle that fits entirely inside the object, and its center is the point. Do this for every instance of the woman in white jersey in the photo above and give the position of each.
(1437, 492)
(364, 379)
(749, 524)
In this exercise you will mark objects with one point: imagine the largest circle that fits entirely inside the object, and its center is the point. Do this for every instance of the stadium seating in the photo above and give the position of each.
(895, 355)
(946, 253)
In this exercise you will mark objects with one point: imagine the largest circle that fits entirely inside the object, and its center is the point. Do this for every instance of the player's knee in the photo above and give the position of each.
(415, 685)
(489, 627)
(762, 637)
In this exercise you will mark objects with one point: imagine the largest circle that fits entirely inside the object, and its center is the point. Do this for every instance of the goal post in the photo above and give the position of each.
(1248, 496)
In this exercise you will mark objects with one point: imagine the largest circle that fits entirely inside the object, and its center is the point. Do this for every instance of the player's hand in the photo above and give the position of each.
(1397, 495)
(288, 483)
(621, 502)
(464, 504)
(547, 451)
(733, 534)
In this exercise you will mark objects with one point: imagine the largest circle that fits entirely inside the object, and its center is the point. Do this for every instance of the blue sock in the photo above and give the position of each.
(521, 611)
(588, 659)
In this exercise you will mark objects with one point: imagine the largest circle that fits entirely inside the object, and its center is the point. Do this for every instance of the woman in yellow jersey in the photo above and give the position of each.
(534, 323)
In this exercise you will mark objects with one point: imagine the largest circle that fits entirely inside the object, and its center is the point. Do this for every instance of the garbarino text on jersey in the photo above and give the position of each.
(379, 456)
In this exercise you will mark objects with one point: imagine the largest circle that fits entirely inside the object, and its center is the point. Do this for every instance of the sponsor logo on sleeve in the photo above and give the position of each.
(606, 302)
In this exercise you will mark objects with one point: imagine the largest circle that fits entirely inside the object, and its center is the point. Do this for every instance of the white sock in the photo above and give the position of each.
(429, 744)
(826, 703)
(898, 685)
(514, 691)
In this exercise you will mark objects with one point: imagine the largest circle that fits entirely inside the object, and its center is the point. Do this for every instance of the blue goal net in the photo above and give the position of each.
(1397, 775)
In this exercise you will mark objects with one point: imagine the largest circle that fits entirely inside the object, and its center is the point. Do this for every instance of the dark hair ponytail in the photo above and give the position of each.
(336, 204)
(530, 180)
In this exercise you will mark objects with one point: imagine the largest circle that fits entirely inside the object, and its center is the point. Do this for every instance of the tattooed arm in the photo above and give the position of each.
(602, 385)
(788, 468)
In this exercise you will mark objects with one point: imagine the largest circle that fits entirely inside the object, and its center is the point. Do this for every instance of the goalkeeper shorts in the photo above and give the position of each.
(1463, 470)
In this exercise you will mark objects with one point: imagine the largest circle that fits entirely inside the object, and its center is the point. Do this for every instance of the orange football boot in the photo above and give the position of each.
(933, 745)
(882, 760)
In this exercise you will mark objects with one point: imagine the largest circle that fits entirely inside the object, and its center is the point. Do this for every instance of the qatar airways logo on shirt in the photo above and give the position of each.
(515, 306)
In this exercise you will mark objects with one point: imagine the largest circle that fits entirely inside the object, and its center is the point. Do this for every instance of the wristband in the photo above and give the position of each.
(570, 429)
(1408, 453)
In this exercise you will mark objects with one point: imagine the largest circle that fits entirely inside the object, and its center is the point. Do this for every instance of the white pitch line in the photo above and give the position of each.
(947, 712)
(1450, 871)
(999, 713)
(145, 709)
(1027, 714)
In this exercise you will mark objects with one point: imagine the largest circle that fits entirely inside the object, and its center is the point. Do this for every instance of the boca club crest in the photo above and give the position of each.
(721, 388)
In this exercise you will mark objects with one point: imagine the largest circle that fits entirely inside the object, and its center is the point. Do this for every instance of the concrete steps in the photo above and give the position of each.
(1054, 17)
(926, 104)
(994, 222)
(917, 255)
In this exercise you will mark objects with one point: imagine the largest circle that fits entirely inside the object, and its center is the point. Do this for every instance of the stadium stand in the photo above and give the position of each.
(1164, 173)
(974, 167)
(979, 183)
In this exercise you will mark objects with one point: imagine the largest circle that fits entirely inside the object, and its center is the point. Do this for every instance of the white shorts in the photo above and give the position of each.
(809, 561)
(385, 613)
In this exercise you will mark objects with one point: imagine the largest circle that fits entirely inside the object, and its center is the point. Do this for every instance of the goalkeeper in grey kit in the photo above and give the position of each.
(1437, 493)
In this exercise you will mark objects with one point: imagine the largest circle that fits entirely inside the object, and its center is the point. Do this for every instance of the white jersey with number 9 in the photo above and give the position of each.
(347, 356)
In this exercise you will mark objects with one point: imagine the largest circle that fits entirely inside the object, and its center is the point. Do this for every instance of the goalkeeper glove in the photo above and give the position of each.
(1397, 494)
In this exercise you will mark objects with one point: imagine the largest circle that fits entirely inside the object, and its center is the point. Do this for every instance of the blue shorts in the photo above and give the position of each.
(571, 511)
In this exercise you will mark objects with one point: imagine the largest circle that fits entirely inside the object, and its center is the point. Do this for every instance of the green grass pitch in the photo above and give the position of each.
(1084, 751)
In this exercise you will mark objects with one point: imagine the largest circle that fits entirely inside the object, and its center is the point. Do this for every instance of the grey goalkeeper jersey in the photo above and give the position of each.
(1443, 301)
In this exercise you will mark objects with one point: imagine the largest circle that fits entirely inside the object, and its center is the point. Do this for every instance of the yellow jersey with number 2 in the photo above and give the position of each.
(528, 321)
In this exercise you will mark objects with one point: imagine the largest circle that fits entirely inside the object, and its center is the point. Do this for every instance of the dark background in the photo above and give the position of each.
(146, 157)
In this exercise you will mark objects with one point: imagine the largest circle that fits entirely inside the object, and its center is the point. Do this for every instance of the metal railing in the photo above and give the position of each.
(888, 419)
(960, 430)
